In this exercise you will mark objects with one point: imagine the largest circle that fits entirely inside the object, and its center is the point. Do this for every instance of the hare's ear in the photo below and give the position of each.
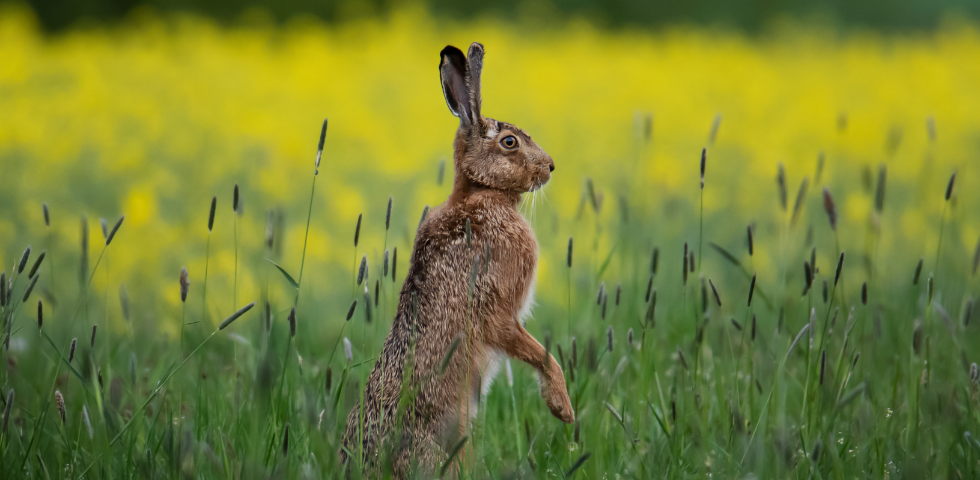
(475, 60)
(453, 73)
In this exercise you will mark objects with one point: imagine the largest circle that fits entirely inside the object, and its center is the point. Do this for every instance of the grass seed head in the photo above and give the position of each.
(681, 359)
(830, 208)
(715, 125)
(753, 327)
(350, 311)
(824, 291)
(949, 187)
(47, 216)
(71, 350)
(605, 299)
(347, 350)
(619, 292)
(362, 271)
(357, 229)
(319, 147)
(609, 338)
(384, 265)
(569, 260)
(425, 213)
(864, 293)
(929, 288)
(684, 264)
(704, 158)
(30, 288)
(655, 261)
(690, 256)
(751, 243)
(840, 268)
(651, 310)
(270, 228)
(918, 271)
(105, 228)
(23, 260)
(966, 312)
(234, 200)
(234, 316)
(880, 188)
(976, 258)
(268, 316)
(377, 288)
(394, 263)
(649, 288)
(368, 314)
(797, 339)
(704, 295)
(292, 322)
(781, 183)
(715, 292)
(328, 380)
(40, 314)
(752, 288)
(115, 228)
(738, 326)
(917, 337)
(388, 213)
(92, 341)
(3, 288)
(214, 206)
(59, 401)
(185, 284)
(800, 196)
(285, 441)
(602, 291)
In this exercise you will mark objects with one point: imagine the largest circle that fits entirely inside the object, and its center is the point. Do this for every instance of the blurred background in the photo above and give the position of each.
(152, 109)
(148, 109)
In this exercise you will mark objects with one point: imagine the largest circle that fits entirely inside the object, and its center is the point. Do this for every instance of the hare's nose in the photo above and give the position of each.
(551, 167)
(550, 163)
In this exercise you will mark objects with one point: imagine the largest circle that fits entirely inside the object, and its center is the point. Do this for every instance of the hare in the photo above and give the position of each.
(465, 297)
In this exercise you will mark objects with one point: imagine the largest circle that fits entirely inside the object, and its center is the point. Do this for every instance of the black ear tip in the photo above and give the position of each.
(451, 51)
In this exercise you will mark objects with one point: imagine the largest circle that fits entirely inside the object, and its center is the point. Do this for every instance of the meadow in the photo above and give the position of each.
(705, 320)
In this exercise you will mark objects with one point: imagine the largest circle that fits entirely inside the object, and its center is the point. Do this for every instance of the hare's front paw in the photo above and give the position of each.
(556, 395)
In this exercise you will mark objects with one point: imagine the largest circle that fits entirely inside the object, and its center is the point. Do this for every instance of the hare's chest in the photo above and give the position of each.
(528, 303)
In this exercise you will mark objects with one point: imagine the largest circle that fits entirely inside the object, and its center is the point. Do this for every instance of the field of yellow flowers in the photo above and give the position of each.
(152, 118)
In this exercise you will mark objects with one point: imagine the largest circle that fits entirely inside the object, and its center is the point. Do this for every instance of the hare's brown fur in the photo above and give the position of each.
(413, 412)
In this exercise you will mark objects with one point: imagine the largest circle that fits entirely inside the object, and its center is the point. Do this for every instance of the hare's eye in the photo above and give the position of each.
(509, 142)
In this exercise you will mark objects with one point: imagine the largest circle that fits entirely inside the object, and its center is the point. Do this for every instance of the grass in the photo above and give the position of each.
(782, 386)
(762, 401)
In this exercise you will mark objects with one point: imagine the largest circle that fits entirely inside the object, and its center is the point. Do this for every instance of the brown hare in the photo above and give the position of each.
(466, 294)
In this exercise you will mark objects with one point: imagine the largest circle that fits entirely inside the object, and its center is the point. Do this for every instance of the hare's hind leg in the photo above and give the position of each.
(423, 459)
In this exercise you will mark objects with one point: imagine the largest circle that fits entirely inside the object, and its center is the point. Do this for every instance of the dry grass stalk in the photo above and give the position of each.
(185, 284)
(357, 229)
(59, 401)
